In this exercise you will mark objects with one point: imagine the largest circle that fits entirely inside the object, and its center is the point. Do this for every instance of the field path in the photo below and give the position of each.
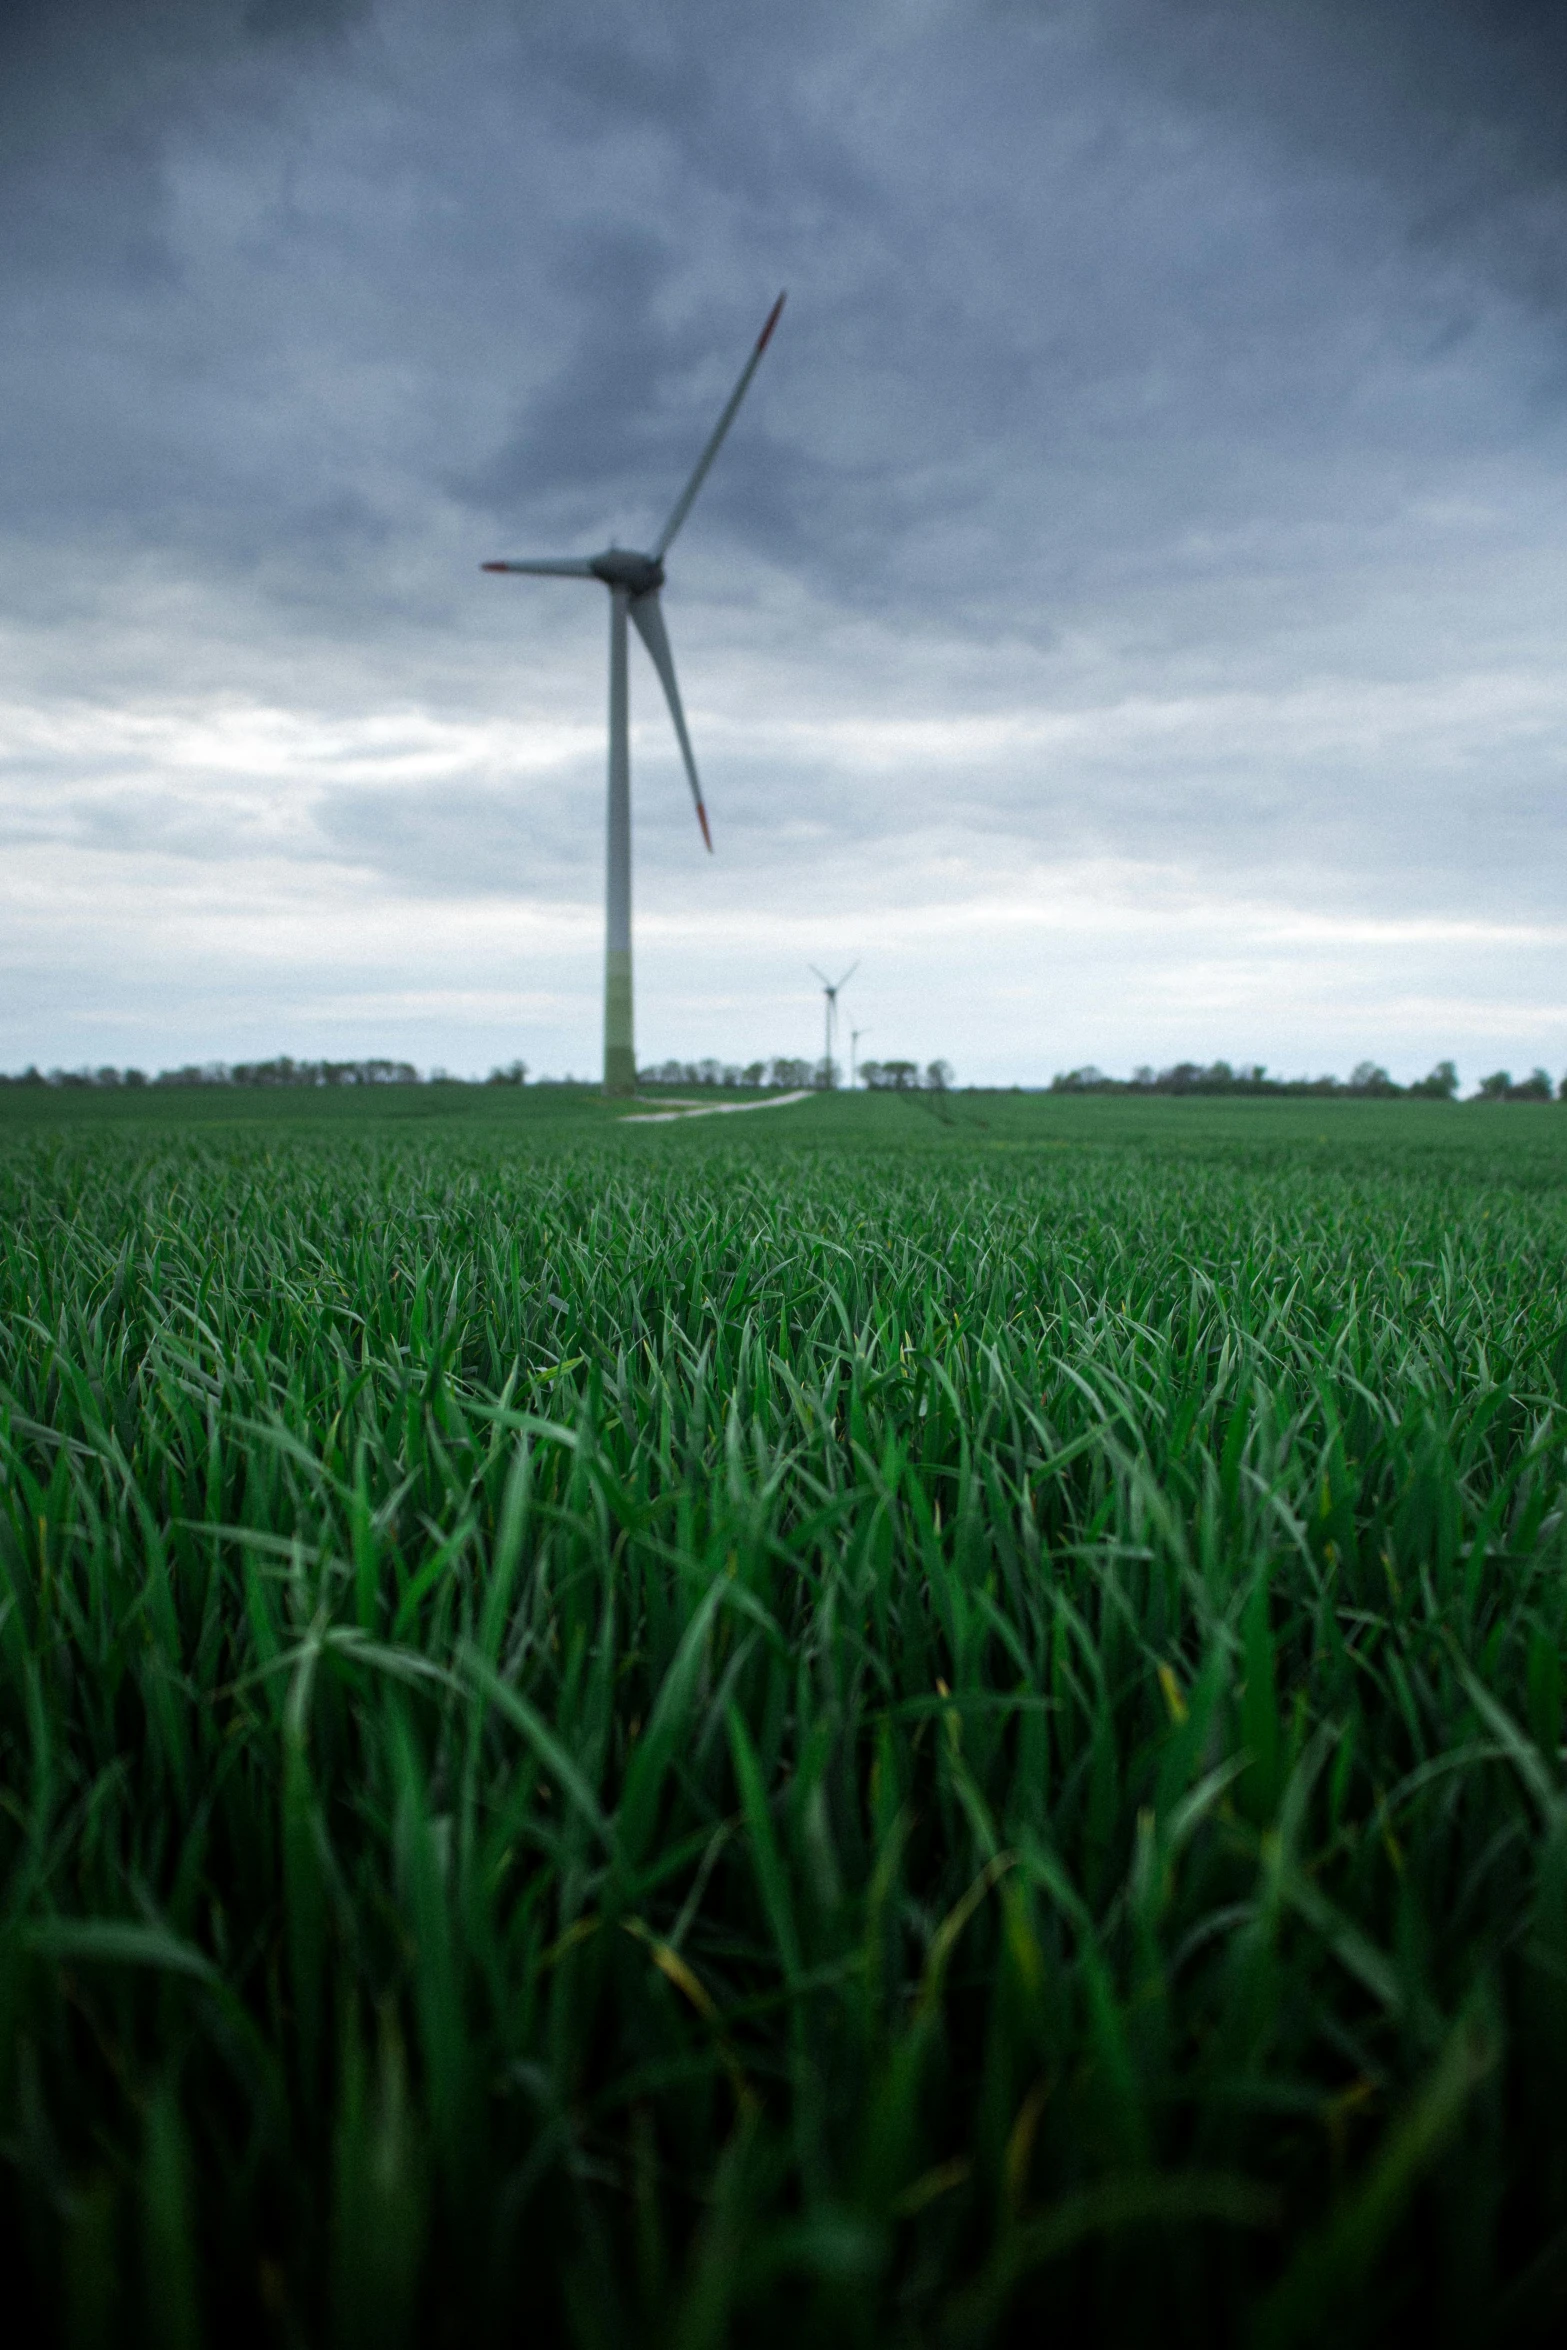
(776, 1101)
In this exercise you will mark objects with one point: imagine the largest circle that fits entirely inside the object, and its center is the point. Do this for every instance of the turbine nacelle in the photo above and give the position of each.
(619, 567)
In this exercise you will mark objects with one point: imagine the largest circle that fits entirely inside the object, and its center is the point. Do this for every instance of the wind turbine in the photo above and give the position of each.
(634, 581)
(830, 989)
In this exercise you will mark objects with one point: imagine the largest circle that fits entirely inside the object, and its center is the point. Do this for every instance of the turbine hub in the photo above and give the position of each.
(619, 567)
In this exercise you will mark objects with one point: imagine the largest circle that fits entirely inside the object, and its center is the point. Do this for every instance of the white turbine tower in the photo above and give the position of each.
(633, 582)
(830, 989)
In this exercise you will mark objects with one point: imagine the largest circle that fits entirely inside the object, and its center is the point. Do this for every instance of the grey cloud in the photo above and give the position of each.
(1459, 107)
(970, 313)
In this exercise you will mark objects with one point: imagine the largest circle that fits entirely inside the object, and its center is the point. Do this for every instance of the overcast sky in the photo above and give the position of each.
(1126, 615)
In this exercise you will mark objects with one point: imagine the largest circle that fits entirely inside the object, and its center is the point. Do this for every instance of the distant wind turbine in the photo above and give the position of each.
(830, 989)
(634, 582)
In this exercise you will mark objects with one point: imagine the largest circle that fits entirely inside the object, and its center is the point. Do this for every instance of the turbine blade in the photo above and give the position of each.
(849, 974)
(549, 567)
(683, 503)
(649, 619)
(822, 976)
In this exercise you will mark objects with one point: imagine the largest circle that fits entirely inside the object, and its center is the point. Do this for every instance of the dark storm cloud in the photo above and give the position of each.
(91, 89)
(101, 350)
(1010, 303)
(1457, 106)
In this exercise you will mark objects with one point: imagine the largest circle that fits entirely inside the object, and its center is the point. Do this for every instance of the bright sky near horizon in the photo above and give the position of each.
(1126, 615)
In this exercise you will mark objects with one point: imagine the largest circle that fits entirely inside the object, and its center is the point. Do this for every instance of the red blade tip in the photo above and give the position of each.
(495, 567)
(701, 817)
(772, 320)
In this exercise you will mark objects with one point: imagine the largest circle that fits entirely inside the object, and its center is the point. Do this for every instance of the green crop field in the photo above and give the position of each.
(892, 1722)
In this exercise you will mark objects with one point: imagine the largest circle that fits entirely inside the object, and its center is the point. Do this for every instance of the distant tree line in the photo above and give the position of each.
(1536, 1087)
(792, 1074)
(781, 1072)
(795, 1076)
(906, 1076)
(1367, 1081)
(787, 1075)
(281, 1072)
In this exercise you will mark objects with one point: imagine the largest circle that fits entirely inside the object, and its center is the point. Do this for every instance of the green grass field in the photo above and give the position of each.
(885, 1723)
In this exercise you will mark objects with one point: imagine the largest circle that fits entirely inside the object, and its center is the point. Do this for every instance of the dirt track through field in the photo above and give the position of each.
(777, 1101)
